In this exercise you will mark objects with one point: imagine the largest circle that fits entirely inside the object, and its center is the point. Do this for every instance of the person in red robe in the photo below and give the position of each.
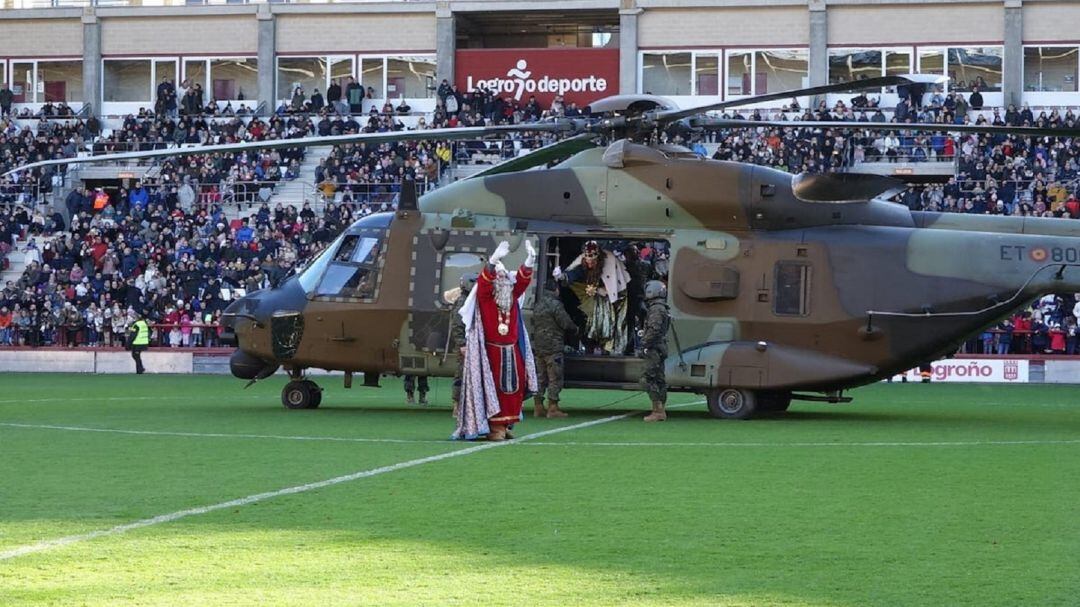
(498, 371)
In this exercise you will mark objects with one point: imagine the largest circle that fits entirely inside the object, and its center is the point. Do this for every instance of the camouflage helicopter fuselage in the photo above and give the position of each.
(775, 285)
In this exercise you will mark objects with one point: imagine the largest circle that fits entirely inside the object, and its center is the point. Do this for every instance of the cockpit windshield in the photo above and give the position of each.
(309, 276)
(349, 267)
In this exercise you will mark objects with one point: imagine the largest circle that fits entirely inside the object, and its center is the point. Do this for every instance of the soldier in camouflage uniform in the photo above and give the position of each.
(654, 344)
(550, 324)
(410, 388)
(457, 330)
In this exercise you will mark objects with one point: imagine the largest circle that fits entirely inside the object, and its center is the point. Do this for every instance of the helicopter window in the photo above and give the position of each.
(309, 276)
(455, 265)
(344, 252)
(367, 251)
(792, 289)
(344, 280)
(348, 268)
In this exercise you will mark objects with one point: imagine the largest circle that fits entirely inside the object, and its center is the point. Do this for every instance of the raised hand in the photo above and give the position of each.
(500, 251)
(530, 257)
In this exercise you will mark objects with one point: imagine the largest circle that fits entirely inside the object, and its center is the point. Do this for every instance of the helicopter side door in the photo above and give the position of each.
(441, 257)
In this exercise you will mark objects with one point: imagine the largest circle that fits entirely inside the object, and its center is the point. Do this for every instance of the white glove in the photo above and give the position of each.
(500, 251)
(557, 273)
(530, 257)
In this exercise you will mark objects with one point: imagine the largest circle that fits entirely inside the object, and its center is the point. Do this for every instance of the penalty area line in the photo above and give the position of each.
(258, 497)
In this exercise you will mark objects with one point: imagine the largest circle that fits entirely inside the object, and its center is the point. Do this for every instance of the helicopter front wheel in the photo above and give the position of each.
(731, 403)
(304, 394)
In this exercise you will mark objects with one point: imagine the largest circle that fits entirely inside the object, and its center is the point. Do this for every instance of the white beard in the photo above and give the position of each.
(504, 293)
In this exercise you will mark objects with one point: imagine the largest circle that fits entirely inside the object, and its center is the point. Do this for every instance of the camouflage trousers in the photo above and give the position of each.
(549, 375)
(654, 380)
(458, 373)
(410, 384)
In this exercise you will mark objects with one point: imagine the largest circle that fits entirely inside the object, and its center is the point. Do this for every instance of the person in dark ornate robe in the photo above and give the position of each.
(599, 280)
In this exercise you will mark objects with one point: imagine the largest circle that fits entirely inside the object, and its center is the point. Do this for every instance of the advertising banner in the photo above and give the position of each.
(976, 370)
(580, 75)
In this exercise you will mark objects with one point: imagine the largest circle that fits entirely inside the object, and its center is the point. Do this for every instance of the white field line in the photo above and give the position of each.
(342, 439)
(221, 434)
(258, 497)
(86, 399)
(985, 443)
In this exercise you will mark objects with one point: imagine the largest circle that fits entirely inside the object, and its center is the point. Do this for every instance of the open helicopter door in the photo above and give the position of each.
(604, 354)
(441, 256)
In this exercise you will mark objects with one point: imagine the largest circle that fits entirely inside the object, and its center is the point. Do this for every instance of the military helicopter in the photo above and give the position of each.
(781, 286)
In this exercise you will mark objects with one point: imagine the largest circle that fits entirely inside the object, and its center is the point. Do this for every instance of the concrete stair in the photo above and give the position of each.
(300, 190)
(17, 258)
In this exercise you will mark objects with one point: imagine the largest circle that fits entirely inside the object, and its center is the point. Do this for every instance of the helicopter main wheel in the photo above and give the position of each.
(731, 403)
(774, 402)
(303, 394)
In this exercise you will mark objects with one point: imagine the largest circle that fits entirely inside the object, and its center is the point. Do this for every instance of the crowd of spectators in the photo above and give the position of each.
(164, 247)
(19, 145)
(994, 173)
(1048, 326)
(177, 267)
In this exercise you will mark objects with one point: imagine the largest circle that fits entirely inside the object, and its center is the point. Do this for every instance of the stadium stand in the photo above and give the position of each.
(190, 234)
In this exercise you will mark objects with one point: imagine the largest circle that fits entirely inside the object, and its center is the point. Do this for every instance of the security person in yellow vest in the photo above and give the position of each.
(138, 340)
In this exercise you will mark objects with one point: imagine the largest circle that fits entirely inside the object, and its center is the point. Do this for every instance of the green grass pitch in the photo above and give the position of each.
(912, 495)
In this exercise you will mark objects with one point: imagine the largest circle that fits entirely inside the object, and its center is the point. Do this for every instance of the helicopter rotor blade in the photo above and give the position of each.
(541, 156)
(898, 126)
(418, 135)
(664, 116)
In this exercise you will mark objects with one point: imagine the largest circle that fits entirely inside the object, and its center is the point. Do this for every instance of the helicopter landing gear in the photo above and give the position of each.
(773, 402)
(301, 394)
(731, 403)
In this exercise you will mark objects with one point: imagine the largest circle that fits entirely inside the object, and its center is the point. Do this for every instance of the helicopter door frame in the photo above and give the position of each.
(583, 369)
(428, 319)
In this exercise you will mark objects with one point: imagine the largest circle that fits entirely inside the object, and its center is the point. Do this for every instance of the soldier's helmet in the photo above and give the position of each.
(654, 289)
(467, 281)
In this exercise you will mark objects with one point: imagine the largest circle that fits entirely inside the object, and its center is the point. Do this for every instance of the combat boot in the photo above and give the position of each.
(497, 433)
(553, 410)
(538, 407)
(409, 400)
(658, 414)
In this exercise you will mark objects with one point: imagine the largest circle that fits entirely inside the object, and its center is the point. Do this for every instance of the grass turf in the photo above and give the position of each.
(914, 494)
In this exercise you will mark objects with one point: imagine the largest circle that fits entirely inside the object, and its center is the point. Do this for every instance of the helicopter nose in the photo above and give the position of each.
(275, 313)
(237, 312)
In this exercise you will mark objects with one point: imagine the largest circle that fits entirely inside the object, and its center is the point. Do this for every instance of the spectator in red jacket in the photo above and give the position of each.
(1057, 339)
(1072, 207)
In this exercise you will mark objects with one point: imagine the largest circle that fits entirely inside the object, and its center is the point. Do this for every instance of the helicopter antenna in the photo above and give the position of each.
(407, 198)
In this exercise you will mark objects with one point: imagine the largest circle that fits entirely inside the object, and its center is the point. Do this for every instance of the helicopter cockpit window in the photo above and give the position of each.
(353, 270)
(367, 250)
(309, 276)
(344, 252)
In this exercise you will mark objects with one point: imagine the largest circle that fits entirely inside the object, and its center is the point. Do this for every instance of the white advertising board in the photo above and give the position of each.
(977, 370)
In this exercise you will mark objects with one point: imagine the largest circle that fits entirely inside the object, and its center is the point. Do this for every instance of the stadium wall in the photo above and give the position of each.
(1013, 31)
(53, 360)
(975, 369)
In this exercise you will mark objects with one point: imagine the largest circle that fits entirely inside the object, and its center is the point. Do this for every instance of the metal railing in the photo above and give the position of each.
(194, 335)
(104, 3)
(24, 194)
